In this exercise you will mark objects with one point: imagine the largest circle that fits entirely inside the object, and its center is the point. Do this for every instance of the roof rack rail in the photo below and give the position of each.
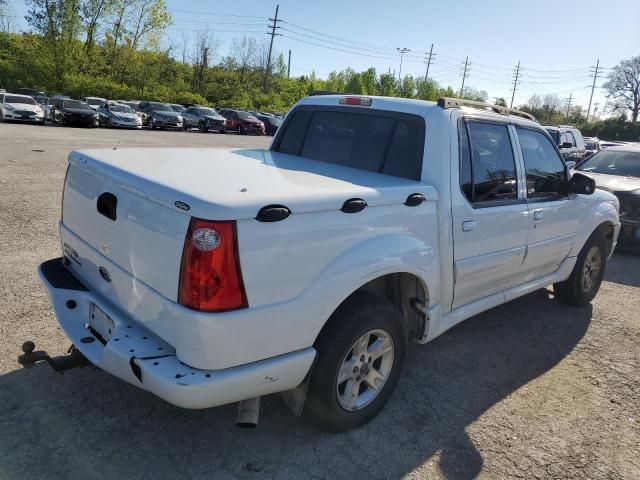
(325, 92)
(447, 102)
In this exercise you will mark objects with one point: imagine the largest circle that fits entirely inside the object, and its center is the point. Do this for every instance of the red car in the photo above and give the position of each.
(242, 122)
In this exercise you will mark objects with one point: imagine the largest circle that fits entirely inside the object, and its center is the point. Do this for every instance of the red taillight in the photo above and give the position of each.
(210, 276)
(360, 101)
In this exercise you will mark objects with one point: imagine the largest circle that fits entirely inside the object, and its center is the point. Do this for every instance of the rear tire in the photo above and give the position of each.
(360, 356)
(583, 284)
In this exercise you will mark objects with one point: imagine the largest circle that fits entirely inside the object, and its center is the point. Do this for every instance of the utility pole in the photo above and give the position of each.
(273, 33)
(464, 75)
(593, 87)
(289, 64)
(515, 84)
(402, 51)
(569, 100)
(429, 62)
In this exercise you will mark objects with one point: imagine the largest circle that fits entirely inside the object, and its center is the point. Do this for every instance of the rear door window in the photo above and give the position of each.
(384, 142)
(487, 164)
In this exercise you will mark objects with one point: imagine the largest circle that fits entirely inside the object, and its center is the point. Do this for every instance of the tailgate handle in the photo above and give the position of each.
(354, 205)
(107, 204)
(273, 213)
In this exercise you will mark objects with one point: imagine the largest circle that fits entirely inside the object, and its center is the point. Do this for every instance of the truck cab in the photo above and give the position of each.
(208, 276)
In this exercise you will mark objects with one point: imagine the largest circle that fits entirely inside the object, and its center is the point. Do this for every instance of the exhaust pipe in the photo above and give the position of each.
(248, 413)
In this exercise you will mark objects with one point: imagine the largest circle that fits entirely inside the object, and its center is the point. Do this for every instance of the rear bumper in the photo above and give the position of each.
(139, 357)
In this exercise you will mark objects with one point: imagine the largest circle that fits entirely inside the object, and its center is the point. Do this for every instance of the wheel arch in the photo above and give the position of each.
(405, 290)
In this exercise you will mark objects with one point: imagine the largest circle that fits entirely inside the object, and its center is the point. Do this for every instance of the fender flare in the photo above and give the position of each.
(601, 213)
(362, 263)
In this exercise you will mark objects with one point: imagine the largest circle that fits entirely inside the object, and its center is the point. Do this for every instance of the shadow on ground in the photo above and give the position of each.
(624, 268)
(87, 424)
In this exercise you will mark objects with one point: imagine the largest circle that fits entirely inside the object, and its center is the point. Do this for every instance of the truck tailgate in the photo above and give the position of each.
(141, 236)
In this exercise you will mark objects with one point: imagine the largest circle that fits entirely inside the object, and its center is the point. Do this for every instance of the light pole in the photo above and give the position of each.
(402, 51)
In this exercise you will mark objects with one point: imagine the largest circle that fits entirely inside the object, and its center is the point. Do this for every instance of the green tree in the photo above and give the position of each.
(387, 85)
(623, 87)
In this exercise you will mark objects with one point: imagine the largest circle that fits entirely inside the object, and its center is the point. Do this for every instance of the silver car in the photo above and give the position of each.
(118, 115)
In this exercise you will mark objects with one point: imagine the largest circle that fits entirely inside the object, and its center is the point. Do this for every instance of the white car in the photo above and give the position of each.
(210, 276)
(94, 102)
(20, 108)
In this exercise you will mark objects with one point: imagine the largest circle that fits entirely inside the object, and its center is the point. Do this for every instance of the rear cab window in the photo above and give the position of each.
(387, 142)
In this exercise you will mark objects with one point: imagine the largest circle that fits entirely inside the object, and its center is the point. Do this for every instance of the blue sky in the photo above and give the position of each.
(556, 42)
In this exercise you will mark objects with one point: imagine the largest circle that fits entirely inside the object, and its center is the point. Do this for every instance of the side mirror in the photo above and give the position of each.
(570, 164)
(566, 145)
(582, 184)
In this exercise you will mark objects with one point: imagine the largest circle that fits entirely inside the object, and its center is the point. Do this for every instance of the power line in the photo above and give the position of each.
(273, 34)
(429, 61)
(569, 100)
(464, 75)
(193, 12)
(515, 83)
(401, 51)
(593, 87)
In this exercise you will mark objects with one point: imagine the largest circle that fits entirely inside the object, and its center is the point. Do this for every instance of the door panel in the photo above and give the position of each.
(491, 221)
(556, 217)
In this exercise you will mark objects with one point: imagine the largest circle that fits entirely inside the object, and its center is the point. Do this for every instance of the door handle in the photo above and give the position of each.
(468, 225)
(537, 215)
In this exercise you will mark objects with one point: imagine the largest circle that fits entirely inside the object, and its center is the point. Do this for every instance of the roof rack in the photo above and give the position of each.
(446, 102)
(326, 92)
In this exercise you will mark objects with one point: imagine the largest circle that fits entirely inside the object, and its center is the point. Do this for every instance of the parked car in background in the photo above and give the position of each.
(94, 102)
(178, 108)
(42, 101)
(159, 115)
(592, 145)
(21, 108)
(271, 123)
(118, 115)
(134, 104)
(74, 113)
(607, 144)
(52, 102)
(204, 119)
(242, 122)
(617, 170)
(570, 142)
(30, 92)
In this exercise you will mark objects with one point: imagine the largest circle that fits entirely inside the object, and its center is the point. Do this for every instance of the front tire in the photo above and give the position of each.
(583, 284)
(360, 356)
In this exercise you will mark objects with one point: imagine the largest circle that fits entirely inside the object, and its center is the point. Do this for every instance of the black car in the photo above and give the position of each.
(159, 115)
(73, 112)
(271, 123)
(617, 170)
(203, 118)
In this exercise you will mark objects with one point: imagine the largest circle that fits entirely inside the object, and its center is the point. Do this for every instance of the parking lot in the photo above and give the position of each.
(532, 389)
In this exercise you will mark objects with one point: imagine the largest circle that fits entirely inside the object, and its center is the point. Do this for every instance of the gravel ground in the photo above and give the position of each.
(532, 389)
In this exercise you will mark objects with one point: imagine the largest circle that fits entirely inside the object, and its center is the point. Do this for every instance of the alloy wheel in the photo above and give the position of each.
(591, 268)
(365, 370)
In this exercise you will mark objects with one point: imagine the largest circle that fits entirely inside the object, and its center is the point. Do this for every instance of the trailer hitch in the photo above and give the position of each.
(74, 359)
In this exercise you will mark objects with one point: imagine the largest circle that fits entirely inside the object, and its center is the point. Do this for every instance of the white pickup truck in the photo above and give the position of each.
(210, 276)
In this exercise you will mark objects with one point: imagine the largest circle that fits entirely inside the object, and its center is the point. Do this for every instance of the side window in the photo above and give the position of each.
(571, 138)
(291, 142)
(546, 177)
(488, 167)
